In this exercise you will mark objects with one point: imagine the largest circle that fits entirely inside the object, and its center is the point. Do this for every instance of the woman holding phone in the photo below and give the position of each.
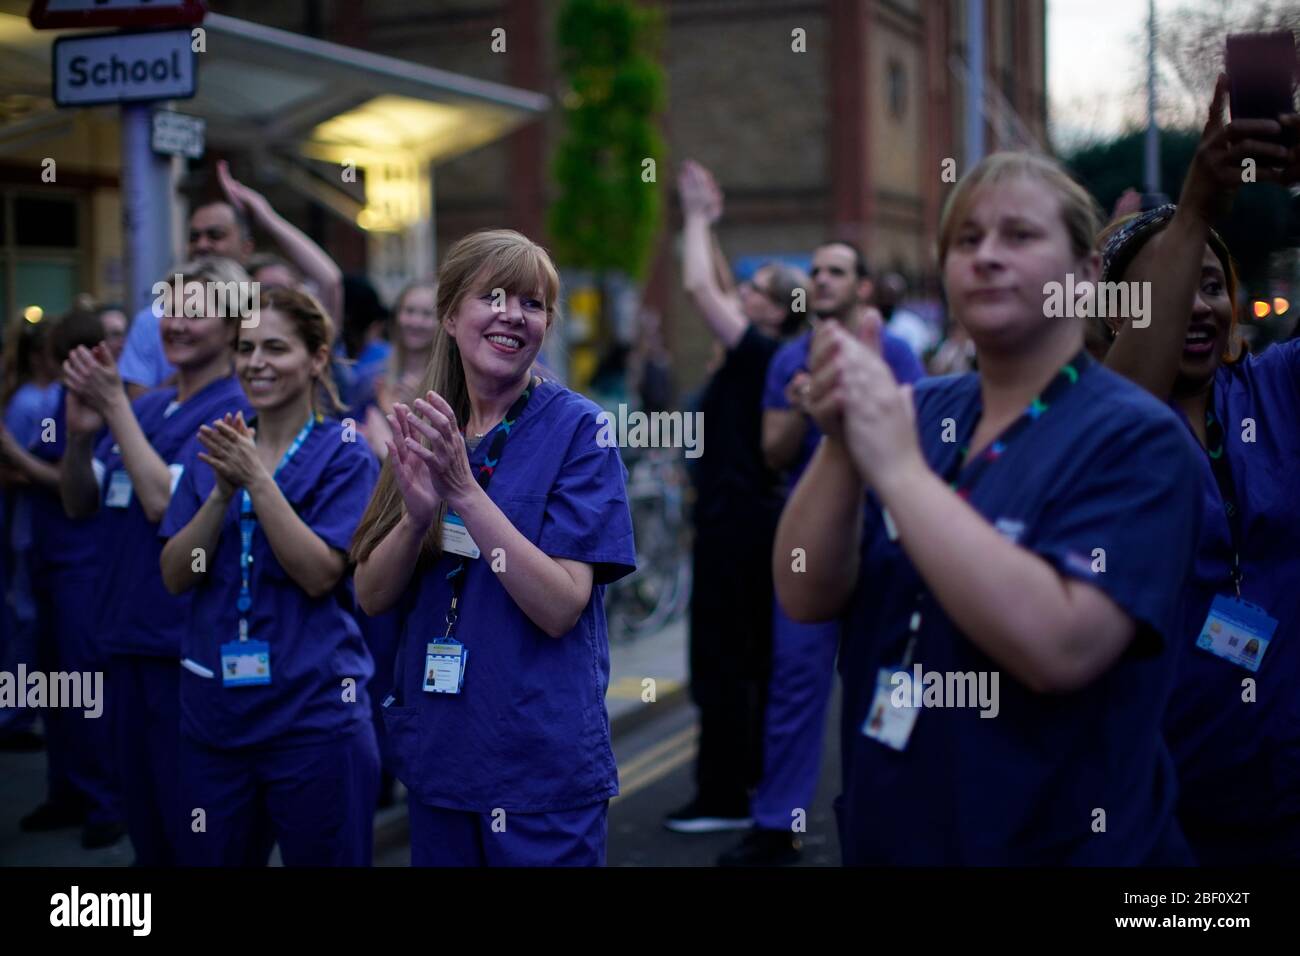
(1234, 719)
(496, 543)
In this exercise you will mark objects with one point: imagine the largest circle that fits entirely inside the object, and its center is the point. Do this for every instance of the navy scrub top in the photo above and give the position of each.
(1109, 467)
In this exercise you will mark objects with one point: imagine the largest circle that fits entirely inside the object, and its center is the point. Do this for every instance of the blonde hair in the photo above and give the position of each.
(486, 260)
(1079, 211)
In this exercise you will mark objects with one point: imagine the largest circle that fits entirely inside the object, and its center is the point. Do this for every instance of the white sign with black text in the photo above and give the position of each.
(123, 67)
(177, 134)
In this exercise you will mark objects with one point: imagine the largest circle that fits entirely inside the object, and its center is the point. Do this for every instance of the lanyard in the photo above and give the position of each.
(485, 472)
(247, 521)
(963, 481)
(1214, 447)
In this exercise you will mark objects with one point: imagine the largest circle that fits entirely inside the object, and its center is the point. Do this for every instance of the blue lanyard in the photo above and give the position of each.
(247, 521)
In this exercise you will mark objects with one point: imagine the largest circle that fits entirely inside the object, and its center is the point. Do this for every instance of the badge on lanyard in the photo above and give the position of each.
(456, 538)
(1237, 631)
(887, 721)
(119, 490)
(444, 666)
(245, 663)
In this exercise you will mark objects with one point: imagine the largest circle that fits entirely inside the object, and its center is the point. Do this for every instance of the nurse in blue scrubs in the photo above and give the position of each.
(277, 742)
(803, 655)
(1006, 549)
(497, 543)
(83, 782)
(128, 476)
(1234, 720)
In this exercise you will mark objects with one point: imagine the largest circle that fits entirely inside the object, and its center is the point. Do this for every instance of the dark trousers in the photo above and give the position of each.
(731, 655)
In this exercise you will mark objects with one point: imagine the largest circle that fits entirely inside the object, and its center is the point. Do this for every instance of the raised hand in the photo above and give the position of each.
(855, 398)
(92, 374)
(445, 456)
(231, 453)
(248, 201)
(1221, 165)
(699, 194)
(414, 481)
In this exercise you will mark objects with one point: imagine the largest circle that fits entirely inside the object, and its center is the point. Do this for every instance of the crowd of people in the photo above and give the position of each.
(316, 550)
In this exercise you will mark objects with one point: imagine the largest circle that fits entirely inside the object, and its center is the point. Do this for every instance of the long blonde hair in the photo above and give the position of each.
(485, 260)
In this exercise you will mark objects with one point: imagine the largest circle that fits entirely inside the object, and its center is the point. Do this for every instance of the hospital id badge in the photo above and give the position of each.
(455, 537)
(245, 663)
(891, 716)
(1237, 632)
(444, 666)
(119, 490)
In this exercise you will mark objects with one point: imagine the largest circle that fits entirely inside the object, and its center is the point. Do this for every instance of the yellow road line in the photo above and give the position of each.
(670, 754)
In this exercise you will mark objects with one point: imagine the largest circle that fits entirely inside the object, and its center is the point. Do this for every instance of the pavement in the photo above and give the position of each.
(648, 682)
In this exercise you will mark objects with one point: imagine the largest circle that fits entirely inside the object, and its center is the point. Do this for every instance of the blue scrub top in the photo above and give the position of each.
(314, 642)
(59, 542)
(1239, 761)
(793, 357)
(143, 360)
(140, 617)
(529, 731)
(1107, 466)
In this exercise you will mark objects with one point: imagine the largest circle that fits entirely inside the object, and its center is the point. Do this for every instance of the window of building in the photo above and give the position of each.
(896, 85)
(40, 251)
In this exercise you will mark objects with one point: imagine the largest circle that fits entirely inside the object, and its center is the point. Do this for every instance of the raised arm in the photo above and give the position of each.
(1052, 633)
(1170, 263)
(78, 487)
(721, 312)
(309, 258)
(93, 378)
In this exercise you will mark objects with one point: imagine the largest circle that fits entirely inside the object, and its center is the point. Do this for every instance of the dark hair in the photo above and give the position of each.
(361, 309)
(314, 329)
(242, 225)
(859, 260)
(80, 325)
(785, 280)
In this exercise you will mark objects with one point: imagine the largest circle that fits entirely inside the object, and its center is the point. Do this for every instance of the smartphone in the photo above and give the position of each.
(1261, 71)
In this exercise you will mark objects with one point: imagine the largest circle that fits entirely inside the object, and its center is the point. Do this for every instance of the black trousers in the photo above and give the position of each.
(731, 654)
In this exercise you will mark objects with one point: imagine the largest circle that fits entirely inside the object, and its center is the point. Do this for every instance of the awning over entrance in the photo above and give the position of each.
(280, 89)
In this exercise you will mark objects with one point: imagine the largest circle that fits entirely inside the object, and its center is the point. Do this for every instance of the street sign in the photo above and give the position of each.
(123, 67)
(61, 14)
(177, 134)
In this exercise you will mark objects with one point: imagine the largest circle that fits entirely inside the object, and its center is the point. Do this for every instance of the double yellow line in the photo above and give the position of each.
(657, 762)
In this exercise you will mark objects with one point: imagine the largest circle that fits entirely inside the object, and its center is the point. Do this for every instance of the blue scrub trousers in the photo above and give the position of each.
(316, 800)
(803, 673)
(17, 633)
(146, 693)
(442, 837)
(79, 749)
(383, 637)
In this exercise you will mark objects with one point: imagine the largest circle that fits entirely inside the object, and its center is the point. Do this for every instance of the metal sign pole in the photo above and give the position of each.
(147, 189)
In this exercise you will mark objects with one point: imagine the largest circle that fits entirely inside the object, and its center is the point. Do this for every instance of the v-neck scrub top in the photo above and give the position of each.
(529, 731)
(1107, 472)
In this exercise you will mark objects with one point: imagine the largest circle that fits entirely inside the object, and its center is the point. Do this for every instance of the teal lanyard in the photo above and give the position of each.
(247, 521)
